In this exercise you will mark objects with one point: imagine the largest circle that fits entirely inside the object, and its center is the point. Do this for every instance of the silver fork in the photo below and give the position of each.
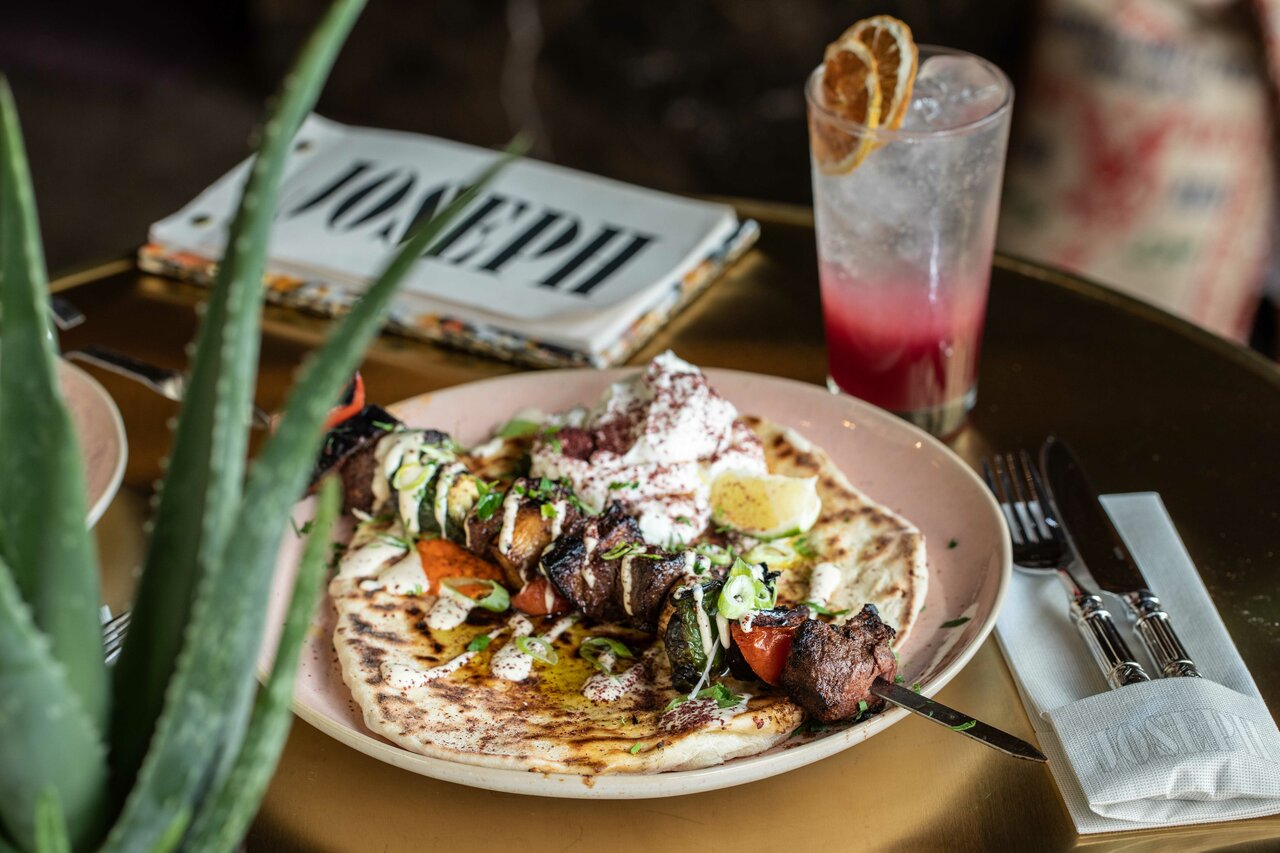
(113, 632)
(1040, 547)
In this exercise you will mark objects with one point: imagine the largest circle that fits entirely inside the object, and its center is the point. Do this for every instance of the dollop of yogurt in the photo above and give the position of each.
(659, 439)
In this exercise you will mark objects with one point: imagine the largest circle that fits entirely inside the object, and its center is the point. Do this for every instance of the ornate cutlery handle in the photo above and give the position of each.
(1157, 635)
(1104, 640)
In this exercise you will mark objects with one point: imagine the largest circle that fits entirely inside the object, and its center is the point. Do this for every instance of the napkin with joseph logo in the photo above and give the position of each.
(1166, 753)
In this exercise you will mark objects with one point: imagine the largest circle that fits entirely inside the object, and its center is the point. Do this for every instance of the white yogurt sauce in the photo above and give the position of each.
(825, 580)
(449, 612)
(604, 688)
(509, 662)
(506, 533)
(403, 577)
(369, 559)
(704, 623)
(624, 574)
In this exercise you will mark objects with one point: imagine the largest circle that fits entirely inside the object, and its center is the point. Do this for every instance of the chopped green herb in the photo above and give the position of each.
(717, 555)
(555, 445)
(862, 707)
(517, 429)
(629, 549)
(480, 643)
(964, 727)
(497, 599)
(636, 748)
(548, 511)
(546, 486)
(417, 590)
(955, 623)
(384, 426)
(803, 548)
(576, 503)
(916, 687)
(898, 679)
(822, 611)
(633, 484)
(489, 501)
(304, 530)
(394, 540)
(683, 519)
(953, 543)
(723, 696)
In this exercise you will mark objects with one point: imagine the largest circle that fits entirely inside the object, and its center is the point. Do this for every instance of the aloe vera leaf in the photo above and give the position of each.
(200, 495)
(215, 672)
(225, 816)
(51, 827)
(42, 512)
(48, 744)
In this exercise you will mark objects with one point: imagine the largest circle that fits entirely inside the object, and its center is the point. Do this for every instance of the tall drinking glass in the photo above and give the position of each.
(905, 240)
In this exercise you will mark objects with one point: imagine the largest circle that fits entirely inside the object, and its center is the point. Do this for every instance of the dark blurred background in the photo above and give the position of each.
(131, 108)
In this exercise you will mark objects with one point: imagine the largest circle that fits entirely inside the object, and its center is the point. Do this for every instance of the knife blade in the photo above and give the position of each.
(167, 382)
(1102, 551)
(956, 721)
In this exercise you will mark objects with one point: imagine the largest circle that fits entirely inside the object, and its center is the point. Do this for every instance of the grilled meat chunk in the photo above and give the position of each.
(348, 451)
(482, 533)
(831, 667)
(645, 580)
(543, 514)
(579, 569)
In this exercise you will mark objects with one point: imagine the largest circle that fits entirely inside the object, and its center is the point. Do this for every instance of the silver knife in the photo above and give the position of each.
(166, 382)
(1099, 547)
(954, 720)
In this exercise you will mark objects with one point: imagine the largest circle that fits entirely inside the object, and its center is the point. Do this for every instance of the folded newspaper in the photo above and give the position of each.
(548, 267)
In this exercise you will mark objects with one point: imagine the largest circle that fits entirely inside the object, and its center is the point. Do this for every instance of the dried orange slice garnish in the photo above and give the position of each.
(896, 61)
(850, 88)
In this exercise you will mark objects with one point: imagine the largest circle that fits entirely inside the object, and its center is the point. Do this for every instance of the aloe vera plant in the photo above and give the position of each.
(175, 748)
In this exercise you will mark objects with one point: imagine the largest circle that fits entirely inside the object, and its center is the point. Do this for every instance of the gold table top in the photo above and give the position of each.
(1150, 401)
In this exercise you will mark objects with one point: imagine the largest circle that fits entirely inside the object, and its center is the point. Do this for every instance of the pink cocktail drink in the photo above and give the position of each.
(903, 345)
(906, 235)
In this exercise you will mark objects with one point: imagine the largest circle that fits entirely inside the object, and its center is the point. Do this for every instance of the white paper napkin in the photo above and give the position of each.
(1167, 753)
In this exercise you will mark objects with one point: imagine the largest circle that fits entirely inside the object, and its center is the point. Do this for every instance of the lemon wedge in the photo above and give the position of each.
(765, 506)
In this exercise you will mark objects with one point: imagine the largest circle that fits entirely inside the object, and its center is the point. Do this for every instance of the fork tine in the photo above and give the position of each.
(1037, 504)
(1017, 504)
(116, 627)
(1002, 498)
(1042, 498)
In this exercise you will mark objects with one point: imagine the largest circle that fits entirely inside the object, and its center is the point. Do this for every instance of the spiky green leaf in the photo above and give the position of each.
(211, 680)
(48, 745)
(43, 508)
(206, 469)
(226, 815)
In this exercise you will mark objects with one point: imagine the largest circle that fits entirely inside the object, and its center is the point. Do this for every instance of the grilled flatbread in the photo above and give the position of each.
(543, 723)
(881, 555)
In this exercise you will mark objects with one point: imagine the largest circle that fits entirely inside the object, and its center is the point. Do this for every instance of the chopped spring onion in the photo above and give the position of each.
(593, 648)
(737, 597)
(964, 727)
(480, 643)
(538, 648)
(496, 600)
(549, 511)
(723, 696)
(411, 476)
(629, 549)
(636, 748)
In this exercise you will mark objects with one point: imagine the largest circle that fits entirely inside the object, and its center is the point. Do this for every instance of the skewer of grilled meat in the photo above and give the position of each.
(827, 669)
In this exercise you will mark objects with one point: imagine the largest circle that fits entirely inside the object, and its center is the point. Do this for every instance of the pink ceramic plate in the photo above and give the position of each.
(101, 432)
(893, 462)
